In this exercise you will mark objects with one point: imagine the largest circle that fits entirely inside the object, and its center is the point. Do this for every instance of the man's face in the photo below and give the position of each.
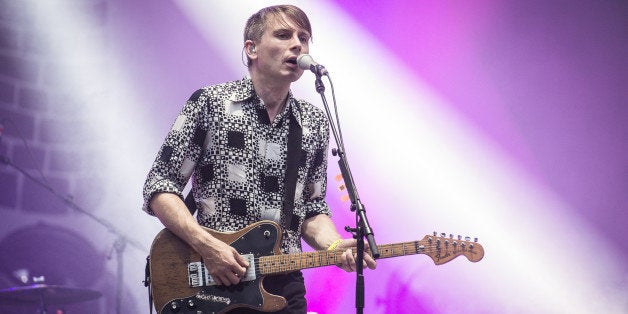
(282, 42)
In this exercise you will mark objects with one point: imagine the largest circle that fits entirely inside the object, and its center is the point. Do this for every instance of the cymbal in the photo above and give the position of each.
(48, 294)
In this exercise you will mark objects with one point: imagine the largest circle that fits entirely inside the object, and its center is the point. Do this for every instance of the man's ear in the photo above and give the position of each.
(249, 48)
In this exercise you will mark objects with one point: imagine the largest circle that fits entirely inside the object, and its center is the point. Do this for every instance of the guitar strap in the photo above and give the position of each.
(295, 137)
(147, 285)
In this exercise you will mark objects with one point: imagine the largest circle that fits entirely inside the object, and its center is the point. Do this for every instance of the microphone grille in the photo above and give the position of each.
(305, 61)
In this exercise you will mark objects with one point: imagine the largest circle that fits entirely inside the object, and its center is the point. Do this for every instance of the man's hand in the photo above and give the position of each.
(348, 257)
(224, 263)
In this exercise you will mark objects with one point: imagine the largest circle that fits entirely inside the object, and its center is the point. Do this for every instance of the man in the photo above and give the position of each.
(235, 139)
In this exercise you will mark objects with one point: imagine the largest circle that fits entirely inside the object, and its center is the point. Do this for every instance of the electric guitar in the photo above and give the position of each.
(180, 283)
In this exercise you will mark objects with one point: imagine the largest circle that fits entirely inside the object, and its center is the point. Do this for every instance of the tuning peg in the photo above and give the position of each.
(434, 233)
(467, 238)
(443, 234)
(459, 237)
(451, 236)
(475, 240)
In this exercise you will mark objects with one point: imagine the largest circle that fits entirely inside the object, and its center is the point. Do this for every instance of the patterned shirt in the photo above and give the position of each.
(237, 156)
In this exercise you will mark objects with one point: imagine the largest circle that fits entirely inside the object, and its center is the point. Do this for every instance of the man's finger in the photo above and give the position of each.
(234, 278)
(350, 260)
(221, 280)
(241, 260)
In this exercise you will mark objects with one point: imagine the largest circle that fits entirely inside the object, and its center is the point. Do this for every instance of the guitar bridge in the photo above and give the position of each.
(198, 276)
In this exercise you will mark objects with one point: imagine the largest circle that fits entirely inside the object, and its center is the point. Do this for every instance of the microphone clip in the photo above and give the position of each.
(318, 69)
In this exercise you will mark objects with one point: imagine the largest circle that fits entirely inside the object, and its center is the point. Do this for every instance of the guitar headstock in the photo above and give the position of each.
(443, 249)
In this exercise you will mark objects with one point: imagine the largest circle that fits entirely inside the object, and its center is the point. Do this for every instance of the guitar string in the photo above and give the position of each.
(288, 262)
(382, 248)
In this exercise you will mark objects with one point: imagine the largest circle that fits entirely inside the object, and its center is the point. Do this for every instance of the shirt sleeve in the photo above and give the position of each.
(180, 151)
(316, 180)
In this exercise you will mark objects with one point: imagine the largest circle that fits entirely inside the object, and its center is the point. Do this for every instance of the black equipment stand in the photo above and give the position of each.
(362, 228)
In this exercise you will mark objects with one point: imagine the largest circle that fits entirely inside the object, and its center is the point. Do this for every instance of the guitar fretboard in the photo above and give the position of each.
(276, 264)
(400, 249)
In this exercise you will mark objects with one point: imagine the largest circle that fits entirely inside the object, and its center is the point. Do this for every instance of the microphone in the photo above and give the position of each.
(306, 62)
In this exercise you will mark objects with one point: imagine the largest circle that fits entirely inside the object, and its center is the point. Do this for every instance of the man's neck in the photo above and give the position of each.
(271, 92)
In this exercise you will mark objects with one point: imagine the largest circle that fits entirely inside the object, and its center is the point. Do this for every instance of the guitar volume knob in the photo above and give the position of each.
(174, 306)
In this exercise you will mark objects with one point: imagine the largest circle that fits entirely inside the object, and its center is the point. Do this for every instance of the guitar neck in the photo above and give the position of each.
(276, 264)
(440, 249)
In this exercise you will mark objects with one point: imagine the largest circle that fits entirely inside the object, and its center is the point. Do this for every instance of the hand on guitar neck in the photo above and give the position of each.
(320, 233)
(348, 257)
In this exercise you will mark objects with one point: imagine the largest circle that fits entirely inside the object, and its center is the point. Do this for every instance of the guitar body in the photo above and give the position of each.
(171, 291)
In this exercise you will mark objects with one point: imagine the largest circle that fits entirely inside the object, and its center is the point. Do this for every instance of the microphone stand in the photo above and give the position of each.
(120, 242)
(362, 228)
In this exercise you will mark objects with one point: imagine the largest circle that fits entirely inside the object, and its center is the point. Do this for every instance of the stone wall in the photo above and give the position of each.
(50, 148)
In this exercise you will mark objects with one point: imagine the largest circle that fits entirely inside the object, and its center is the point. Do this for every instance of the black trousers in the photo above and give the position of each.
(289, 286)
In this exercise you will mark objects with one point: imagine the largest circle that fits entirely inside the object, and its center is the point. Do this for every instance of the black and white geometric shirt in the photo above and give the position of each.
(224, 138)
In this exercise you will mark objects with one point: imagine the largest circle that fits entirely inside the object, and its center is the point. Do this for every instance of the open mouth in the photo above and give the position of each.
(292, 60)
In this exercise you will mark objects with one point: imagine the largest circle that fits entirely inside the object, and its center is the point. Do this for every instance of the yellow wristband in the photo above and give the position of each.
(334, 245)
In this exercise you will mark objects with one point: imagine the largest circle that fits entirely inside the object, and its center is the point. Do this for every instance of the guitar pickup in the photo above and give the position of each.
(198, 276)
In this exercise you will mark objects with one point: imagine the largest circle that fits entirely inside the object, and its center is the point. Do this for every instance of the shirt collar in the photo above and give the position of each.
(244, 91)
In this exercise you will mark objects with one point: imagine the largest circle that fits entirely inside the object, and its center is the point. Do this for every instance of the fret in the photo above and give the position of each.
(304, 260)
(384, 251)
(282, 263)
(331, 259)
(298, 261)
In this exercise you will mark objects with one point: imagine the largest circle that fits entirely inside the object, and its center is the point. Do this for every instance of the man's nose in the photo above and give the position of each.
(296, 44)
